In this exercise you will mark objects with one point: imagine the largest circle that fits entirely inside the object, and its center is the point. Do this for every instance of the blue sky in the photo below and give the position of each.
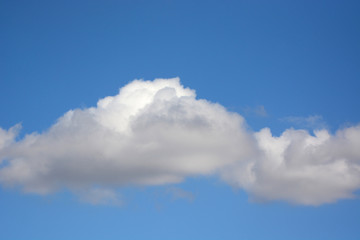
(278, 64)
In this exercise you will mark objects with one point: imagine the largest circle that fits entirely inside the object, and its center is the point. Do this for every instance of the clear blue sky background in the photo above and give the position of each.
(295, 58)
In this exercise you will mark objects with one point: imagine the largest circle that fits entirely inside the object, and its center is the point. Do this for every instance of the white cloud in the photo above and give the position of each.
(8, 137)
(300, 168)
(151, 133)
(157, 132)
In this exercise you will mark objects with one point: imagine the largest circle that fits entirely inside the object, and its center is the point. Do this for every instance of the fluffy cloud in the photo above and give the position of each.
(301, 168)
(151, 133)
(157, 132)
(8, 137)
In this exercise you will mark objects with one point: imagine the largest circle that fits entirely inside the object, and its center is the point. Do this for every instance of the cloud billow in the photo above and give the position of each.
(157, 132)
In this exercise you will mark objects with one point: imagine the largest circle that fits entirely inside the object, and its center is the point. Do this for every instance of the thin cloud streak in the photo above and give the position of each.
(310, 122)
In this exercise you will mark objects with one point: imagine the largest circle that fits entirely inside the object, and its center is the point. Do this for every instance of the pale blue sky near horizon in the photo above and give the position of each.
(279, 64)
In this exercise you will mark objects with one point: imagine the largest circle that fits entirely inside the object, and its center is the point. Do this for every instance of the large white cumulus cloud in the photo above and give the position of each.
(150, 133)
(157, 132)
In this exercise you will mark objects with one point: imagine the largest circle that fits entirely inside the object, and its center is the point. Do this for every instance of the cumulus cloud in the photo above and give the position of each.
(300, 168)
(151, 133)
(158, 132)
(8, 137)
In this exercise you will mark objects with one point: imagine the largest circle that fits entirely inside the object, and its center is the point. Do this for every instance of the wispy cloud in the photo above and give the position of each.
(258, 110)
(99, 196)
(178, 193)
(310, 122)
(157, 133)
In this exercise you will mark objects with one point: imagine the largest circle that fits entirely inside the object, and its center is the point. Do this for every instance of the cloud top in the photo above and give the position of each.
(158, 132)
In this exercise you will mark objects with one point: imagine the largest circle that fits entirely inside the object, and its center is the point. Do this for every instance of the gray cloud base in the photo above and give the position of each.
(157, 132)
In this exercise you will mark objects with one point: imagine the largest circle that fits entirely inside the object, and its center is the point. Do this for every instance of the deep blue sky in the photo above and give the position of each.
(294, 58)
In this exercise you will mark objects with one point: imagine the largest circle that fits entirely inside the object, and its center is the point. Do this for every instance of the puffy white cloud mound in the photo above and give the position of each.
(300, 168)
(157, 132)
(150, 133)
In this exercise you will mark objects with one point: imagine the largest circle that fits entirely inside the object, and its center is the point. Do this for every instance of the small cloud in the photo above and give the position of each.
(310, 122)
(258, 111)
(7, 137)
(100, 196)
(178, 193)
